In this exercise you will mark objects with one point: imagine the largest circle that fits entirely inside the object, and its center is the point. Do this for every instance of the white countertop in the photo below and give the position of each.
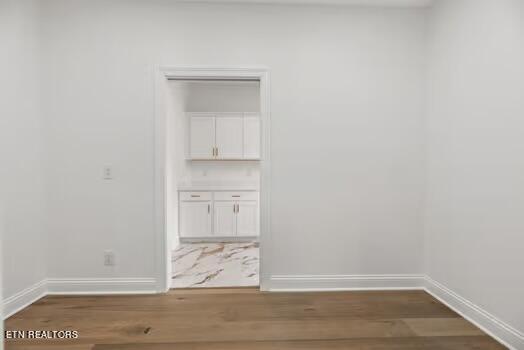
(217, 187)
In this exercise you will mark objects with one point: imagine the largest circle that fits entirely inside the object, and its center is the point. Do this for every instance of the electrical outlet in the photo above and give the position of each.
(108, 173)
(109, 258)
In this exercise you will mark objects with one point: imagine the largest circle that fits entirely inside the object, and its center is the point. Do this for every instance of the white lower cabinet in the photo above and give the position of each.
(195, 218)
(247, 218)
(218, 214)
(225, 221)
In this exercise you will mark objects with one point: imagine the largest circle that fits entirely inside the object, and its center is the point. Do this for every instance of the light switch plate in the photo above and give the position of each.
(109, 258)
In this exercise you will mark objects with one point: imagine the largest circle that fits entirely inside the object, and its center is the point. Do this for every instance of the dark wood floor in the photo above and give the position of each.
(245, 319)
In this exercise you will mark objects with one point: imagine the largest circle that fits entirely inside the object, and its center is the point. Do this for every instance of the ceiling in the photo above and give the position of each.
(383, 3)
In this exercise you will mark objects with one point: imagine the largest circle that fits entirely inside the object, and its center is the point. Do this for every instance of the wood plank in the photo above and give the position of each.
(452, 343)
(426, 343)
(248, 319)
(14, 346)
(442, 327)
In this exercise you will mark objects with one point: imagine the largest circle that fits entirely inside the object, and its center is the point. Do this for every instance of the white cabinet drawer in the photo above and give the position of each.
(236, 196)
(195, 196)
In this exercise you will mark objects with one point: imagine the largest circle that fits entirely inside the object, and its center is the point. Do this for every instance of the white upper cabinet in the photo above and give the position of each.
(229, 137)
(251, 136)
(202, 137)
(224, 136)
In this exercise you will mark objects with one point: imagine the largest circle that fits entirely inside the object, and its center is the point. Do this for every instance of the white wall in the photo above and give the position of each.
(224, 173)
(475, 200)
(22, 145)
(347, 129)
(223, 96)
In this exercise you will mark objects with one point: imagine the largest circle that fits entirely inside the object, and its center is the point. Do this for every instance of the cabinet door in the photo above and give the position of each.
(195, 219)
(247, 218)
(202, 138)
(229, 139)
(224, 219)
(252, 137)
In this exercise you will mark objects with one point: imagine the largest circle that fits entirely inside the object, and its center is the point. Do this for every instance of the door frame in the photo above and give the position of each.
(162, 75)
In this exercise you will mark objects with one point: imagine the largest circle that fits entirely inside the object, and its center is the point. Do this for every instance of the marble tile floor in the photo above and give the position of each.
(211, 265)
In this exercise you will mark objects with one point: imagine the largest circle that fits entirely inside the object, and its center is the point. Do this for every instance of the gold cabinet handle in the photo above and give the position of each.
(217, 151)
(209, 208)
(238, 208)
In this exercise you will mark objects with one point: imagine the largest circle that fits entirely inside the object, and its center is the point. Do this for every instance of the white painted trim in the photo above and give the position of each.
(265, 234)
(162, 248)
(345, 282)
(76, 286)
(366, 3)
(496, 328)
(226, 239)
(100, 286)
(24, 298)
(162, 74)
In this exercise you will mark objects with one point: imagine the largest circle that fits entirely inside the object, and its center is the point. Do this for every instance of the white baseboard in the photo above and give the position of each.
(24, 298)
(294, 283)
(501, 331)
(77, 286)
(98, 286)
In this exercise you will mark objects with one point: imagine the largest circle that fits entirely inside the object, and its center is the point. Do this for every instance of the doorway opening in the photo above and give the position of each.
(213, 149)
